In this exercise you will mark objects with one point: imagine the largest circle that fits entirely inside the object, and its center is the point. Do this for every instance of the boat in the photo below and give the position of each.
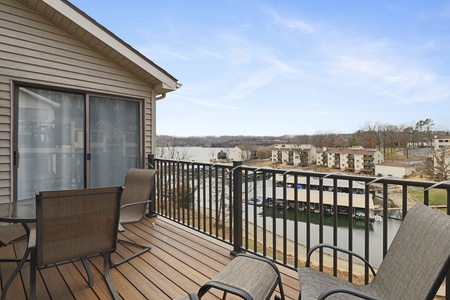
(258, 202)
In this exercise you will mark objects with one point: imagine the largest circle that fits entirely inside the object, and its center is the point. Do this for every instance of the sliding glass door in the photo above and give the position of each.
(114, 140)
(50, 137)
(66, 140)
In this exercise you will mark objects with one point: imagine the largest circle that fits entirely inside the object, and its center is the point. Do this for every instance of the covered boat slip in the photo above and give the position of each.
(358, 201)
(327, 183)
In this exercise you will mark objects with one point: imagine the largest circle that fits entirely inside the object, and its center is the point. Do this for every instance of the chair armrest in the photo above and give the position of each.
(32, 238)
(346, 290)
(340, 250)
(135, 203)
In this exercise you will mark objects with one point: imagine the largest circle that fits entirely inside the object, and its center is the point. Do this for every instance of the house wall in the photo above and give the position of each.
(34, 50)
(441, 142)
(396, 171)
(359, 160)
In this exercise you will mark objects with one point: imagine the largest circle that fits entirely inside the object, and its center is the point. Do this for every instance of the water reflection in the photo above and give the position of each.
(375, 230)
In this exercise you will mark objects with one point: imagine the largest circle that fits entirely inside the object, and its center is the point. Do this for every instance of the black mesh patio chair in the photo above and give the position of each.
(413, 268)
(135, 198)
(75, 225)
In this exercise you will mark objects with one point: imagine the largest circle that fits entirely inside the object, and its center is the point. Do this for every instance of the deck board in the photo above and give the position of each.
(179, 262)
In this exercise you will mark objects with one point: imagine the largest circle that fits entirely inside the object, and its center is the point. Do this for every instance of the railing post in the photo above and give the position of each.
(237, 208)
(151, 207)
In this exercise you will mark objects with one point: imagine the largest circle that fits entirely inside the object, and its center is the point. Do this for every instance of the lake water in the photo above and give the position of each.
(358, 235)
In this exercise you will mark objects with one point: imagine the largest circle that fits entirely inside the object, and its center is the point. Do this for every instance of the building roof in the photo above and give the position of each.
(349, 151)
(74, 21)
(291, 147)
(327, 182)
(359, 201)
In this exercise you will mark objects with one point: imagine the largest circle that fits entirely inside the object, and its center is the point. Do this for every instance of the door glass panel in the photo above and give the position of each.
(50, 141)
(114, 140)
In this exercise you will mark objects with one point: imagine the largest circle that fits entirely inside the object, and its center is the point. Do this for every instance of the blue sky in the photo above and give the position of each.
(260, 67)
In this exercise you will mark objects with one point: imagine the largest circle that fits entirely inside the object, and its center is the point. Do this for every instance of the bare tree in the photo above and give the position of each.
(383, 132)
(301, 139)
(441, 163)
(169, 150)
(368, 136)
(405, 136)
(246, 150)
(263, 153)
(327, 139)
(229, 152)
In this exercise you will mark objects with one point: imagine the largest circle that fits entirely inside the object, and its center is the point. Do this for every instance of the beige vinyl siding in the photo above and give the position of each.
(5, 141)
(50, 53)
(149, 134)
(34, 50)
(68, 17)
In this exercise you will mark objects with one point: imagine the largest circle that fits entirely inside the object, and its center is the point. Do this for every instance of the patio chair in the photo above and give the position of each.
(413, 268)
(135, 197)
(75, 225)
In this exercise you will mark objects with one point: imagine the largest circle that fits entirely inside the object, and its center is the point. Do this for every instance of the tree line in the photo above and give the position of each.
(382, 136)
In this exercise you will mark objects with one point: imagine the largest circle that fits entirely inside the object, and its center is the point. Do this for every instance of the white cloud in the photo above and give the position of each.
(211, 54)
(290, 24)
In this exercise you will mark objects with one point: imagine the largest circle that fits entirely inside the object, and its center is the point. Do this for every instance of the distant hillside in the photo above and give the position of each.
(232, 141)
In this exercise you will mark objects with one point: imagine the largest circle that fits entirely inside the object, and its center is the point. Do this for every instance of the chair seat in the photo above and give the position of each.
(11, 233)
(249, 277)
(314, 282)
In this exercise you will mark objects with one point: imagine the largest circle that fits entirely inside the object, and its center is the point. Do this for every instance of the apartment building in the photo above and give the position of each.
(441, 141)
(294, 154)
(355, 159)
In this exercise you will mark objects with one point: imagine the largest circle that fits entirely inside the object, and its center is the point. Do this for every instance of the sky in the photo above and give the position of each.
(290, 67)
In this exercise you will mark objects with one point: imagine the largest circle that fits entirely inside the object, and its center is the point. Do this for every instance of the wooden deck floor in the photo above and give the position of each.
(180, 261)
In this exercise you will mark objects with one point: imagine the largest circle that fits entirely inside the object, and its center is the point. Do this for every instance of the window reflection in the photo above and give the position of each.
(114, 140)
(50, 141)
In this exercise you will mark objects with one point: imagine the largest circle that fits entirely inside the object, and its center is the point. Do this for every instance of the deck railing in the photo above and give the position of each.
(292, 210)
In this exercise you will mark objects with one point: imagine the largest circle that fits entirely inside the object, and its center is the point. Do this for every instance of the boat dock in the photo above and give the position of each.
(343, 201)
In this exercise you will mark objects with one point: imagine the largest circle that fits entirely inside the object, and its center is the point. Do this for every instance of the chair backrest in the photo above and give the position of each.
(76, 223)
(138, 187)
(418, 258)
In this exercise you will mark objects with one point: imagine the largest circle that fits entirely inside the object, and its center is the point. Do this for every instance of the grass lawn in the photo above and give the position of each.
(436, 196)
